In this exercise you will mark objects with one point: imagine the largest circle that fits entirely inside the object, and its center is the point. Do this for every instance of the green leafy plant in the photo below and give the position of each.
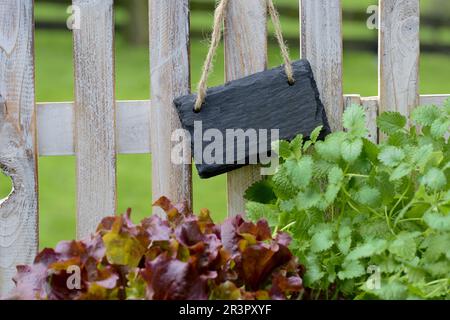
(367, 220)
(179, 256)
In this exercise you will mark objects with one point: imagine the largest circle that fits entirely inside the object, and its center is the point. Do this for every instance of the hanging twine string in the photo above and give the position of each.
(219, 18)
(279, 35)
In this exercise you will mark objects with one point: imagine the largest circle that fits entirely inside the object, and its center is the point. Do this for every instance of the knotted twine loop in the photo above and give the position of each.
(219, 18)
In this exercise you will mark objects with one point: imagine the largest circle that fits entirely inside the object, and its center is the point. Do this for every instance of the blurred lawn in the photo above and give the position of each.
(54, 82)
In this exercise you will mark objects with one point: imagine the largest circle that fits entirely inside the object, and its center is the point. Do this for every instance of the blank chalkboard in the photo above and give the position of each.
(263, 100)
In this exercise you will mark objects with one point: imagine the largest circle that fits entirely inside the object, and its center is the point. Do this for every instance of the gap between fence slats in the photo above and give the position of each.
(95, 143)
(55, 124)
(19, 212)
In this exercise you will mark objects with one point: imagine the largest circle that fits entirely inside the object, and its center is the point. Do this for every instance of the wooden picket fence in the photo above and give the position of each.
(96, 128)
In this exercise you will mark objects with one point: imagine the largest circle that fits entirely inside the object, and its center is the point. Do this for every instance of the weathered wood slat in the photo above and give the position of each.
(18, 212)
(321, 44)
(170, 78)
(399, 50)
(95, 142)
(245, 39)
(55, 127)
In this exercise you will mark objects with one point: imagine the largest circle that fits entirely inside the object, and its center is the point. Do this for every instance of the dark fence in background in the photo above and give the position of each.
(136, 30)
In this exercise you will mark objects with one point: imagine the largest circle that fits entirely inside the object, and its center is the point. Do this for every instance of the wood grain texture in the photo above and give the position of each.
(321, 44)
(370, 105)
(95, 142)
(55, 128)
(19, 211)
(399, 50)
(245, 39)
(170, 78)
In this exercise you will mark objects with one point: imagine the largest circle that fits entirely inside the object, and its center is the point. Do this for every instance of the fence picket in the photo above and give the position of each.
(95, 142)
(18, 212)
(245, 39)
(399, 50)
(321, 44)
(169, 69)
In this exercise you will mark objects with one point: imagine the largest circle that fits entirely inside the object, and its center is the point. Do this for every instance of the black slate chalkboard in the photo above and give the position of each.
(264, 100)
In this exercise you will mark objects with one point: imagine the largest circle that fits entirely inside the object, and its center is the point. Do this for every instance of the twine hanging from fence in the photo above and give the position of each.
(219, 18)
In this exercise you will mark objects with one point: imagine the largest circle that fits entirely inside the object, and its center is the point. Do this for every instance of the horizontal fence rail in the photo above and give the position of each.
(56, 131)
(95, 142)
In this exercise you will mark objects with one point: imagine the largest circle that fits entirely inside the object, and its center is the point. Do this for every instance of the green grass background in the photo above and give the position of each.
(54, 82)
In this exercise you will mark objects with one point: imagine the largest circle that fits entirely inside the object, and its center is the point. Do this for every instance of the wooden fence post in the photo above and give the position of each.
(18, 212)
(321, 44)
(170, 78)
(245, 40)
(95, 142)
(399, 51)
